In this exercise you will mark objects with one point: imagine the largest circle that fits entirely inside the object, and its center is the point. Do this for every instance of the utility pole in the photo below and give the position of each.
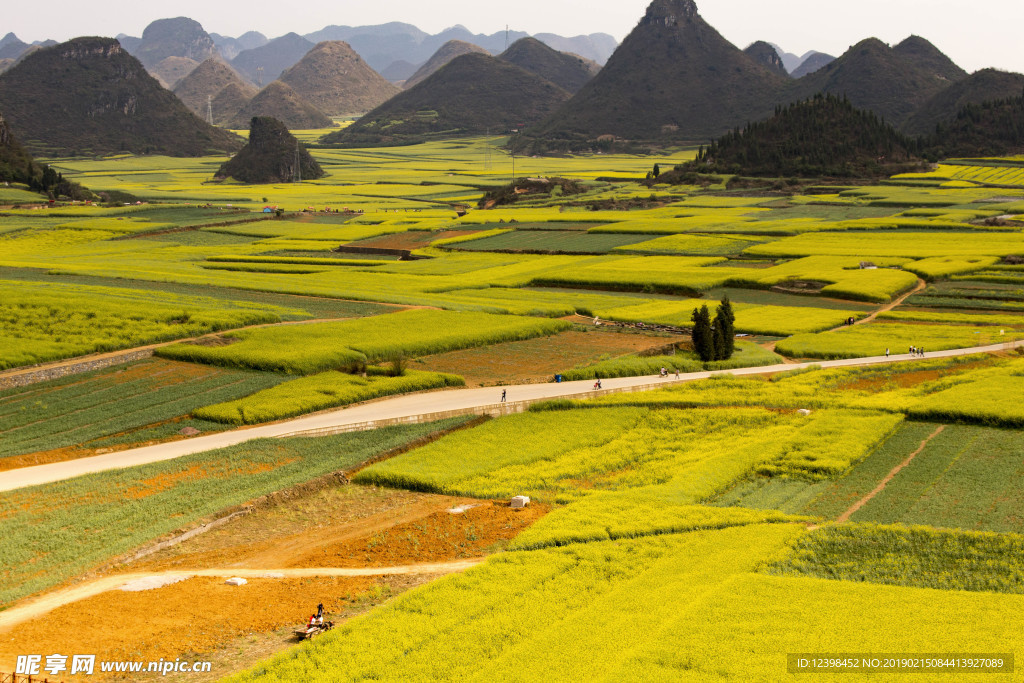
(209, 109)
(259, 76)
(506, 36)
(298, 167)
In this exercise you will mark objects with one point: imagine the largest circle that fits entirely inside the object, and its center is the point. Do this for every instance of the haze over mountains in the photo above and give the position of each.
(279, 101)
(396, 49)
(568, 71)
(471, 95)
(334, 79)
(214, 82)
(444, 54)
(673, 80)
(673, 77)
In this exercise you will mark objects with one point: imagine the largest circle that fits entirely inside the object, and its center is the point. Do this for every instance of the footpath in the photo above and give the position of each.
(414, 408)
(51, 601)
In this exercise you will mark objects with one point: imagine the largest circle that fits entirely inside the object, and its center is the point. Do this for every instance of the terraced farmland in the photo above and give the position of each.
(709, 527)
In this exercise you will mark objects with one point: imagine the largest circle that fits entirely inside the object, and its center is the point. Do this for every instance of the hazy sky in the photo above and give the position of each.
(975, 33)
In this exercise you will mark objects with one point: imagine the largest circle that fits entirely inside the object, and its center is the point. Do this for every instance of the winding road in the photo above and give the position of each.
(413, 408)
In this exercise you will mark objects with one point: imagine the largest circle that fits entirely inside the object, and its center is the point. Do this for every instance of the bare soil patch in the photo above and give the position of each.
(439, 536)
(891, 378)
(202, 618)
(350, 526)
(536, 360)
(189, 618)
(213, 341)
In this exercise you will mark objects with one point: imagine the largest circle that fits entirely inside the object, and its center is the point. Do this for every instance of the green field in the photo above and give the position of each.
(57, 531)
(687, 532)
(312, 348)
(965, 478)
(553, 241)
(318, 392)
(909, 556)
(635, 451)
(41, 322)
(292, 307)
(746, 355)
(873, 339)
(83, 408)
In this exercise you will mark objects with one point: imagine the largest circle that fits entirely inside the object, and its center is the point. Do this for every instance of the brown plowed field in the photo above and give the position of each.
(536, 360)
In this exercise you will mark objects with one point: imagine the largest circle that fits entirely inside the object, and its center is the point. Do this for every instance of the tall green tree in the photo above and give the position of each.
(702, 335)
(717, 342)
(725, 329)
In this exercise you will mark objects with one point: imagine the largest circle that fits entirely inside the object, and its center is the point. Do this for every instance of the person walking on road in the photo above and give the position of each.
(503, 395)
(887, 353)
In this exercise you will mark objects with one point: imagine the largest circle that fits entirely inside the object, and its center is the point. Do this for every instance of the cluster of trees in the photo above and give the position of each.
(991, 128)
(17, 166)
(827, 136)
(527, 188)
(821, 136)
(54, 185)
(714, 340)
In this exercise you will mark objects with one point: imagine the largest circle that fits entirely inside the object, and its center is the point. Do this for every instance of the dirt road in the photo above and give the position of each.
(51, 601)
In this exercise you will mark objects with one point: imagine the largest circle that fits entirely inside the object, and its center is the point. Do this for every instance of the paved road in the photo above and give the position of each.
(51, 601)
(411, 408)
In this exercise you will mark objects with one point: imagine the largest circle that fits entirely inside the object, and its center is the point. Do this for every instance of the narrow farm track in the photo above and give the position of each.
(421, 407)
(889, 477)
(51, 601)
(921, 284)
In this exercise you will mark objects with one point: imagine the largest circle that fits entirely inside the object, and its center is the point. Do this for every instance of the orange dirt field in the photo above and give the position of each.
(352, 526)
(537, 360)
(436, 537)
(894, 379)
(187, 618)
(202, 618)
